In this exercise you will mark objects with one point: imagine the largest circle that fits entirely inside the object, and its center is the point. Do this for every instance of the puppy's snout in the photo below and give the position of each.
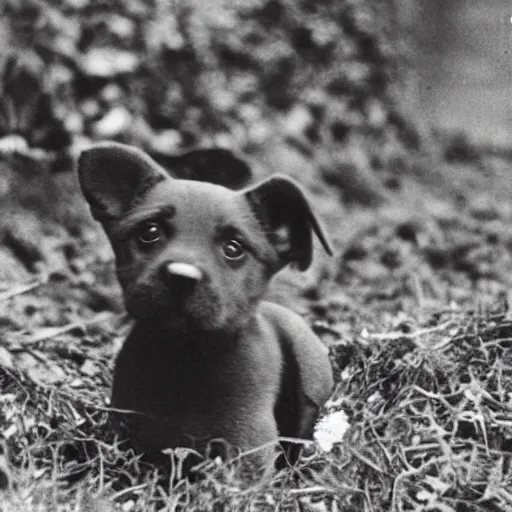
(185, 271)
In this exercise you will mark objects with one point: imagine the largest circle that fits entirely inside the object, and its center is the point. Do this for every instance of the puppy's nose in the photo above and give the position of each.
(185, 270)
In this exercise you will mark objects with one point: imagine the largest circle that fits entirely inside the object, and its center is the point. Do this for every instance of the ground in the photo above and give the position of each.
(414, 306)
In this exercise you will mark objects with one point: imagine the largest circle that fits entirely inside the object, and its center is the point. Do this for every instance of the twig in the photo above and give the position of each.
(367, 461)
(19, 290)
(395, 503)
(128, 490)
(409, 335)
(505, 495)
(367, 495)
(310, 490)
(52, 332)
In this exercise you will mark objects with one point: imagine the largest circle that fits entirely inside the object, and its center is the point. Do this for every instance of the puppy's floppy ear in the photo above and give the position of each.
(113, 175)
(214, 165)
(289, 222)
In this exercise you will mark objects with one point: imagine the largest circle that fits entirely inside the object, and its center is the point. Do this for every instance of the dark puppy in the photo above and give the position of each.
(208, 358)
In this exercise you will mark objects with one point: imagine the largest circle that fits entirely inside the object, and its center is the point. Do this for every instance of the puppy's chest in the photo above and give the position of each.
(167, 380)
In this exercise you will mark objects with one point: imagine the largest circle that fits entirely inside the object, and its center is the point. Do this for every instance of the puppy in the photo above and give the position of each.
(207, 358)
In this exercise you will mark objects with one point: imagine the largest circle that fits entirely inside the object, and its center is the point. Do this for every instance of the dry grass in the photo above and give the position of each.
(430, 412)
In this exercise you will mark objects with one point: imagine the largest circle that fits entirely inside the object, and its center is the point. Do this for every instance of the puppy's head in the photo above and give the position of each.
(189, 253)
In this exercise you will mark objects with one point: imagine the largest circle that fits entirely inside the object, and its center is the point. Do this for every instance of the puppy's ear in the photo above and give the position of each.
(286, 215)
(213, 165)
(113, 175)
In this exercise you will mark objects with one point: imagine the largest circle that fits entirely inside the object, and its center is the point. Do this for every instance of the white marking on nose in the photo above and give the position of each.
(185, 270)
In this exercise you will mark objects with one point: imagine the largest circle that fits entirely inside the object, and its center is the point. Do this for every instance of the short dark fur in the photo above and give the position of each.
(208, 358)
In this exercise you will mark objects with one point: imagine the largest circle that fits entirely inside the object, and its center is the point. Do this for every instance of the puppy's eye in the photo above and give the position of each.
(149, 233)
(233, 250)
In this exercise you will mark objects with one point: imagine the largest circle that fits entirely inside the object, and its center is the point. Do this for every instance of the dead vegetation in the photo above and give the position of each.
(429, 407)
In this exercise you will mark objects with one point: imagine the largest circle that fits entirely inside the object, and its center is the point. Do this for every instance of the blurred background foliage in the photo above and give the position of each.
(331, 92)
(323, 77)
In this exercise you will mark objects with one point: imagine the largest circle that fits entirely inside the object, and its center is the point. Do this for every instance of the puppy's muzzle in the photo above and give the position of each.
(175, 270)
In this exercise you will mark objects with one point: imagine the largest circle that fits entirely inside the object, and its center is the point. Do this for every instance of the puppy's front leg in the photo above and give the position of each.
(307, 379)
